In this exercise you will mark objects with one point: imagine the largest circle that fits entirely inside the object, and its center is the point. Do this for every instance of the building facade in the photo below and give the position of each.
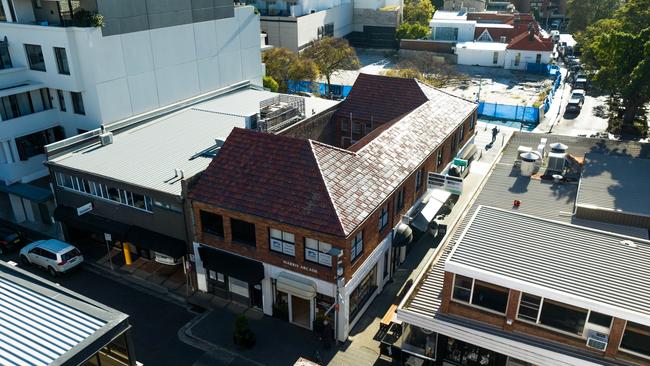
(313, 241)
(62, 76)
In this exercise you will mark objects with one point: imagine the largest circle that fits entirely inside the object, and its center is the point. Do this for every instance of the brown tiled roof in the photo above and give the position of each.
(271, 176)
(321, 187)
(525, 43)
(381, 98)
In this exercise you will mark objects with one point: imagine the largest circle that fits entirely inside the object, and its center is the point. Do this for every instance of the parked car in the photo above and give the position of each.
(53, 255)
(578, 94)
(575, 102)
(10, 239)
(580, 83)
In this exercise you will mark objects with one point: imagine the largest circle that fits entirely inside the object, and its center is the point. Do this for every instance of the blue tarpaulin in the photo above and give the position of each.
(508, 112)
(320, 88)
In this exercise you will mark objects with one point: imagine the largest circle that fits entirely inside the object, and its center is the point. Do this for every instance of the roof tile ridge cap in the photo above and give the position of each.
(327, 188)
(441, 91)
(332, 147)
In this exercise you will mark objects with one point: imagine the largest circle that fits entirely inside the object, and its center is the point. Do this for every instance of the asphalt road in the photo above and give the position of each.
(155, 322)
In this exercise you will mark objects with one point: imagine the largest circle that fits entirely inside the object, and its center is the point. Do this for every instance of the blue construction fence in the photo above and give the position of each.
(551, 94)
(319, 88)
(542, 69)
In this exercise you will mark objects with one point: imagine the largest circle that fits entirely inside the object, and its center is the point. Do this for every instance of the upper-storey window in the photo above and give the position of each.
(5, 57)
(318, 252)
(211, 223)
(357, 246)
(282, 242)
(399, 200)
(34, 143)
(441, 153)
(481, 294)
(419, 179)
(77, 103)
(35, 57)
(22, 104)
(243, 232)
(61, 61)
(553, 314)
(383, 218)
(471, 122)
(636, 339)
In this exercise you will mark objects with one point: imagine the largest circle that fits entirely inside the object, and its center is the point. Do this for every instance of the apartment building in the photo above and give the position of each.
(522, 279)
(310, 231)
(546, 9)
(62, 74)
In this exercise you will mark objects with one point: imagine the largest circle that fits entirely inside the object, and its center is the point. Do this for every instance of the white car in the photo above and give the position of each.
(53, 255)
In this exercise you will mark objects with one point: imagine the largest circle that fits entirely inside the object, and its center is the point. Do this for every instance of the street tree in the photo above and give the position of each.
(284, 65)
(582, 13)
(330, 56)
(617, 52)
(418, 11)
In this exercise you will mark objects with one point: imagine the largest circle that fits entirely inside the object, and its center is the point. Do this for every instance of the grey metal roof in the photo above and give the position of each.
(616, 183)
(568, 259)
(42, 324)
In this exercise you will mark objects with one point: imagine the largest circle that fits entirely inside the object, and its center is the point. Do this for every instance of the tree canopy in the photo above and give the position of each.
(331, 55)
(283, 65)
(617, 52)
(582, 13)
(412, 31)
(418, 11)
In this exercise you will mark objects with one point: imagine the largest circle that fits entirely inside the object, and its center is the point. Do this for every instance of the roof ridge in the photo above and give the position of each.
(440, 90)
(332, 147)
(327, 188)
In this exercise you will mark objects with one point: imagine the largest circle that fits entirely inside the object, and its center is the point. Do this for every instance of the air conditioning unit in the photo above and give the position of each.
(106, 138)
(556, 161)
(597, 340)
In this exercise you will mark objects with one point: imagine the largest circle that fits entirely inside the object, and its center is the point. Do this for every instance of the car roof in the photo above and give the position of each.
(55, 246)
(581, 91)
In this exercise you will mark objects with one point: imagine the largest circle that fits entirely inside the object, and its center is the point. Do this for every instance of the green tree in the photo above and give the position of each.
(582, 13)
(617, 52)
(412, 31)
(270, 83)
(283, 65)
(331, 55)
(418, 11)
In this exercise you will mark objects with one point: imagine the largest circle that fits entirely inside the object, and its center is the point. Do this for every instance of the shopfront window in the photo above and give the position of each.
(419, 341)
(360, 295)
(115, 353)
(282, 242)
(636, 339)
(465, 354)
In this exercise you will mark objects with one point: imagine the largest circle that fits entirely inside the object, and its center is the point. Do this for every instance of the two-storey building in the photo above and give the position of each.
(308, 231)
(64, 70)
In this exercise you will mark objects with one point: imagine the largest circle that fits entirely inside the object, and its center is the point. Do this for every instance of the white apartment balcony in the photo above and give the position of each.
(59, 13)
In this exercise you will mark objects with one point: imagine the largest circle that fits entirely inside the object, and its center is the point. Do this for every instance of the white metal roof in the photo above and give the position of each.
(579, 266)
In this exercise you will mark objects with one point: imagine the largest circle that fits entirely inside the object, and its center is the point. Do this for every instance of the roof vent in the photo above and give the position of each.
(106, 138)
(558, 147)
(629, 243)
(528, 160)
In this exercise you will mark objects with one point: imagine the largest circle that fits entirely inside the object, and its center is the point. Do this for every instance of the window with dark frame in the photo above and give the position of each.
(282, 242)
(357, 246)
(211, 223)
(5, 56)
(77, 103)
(399, 201)
(34, 143)
(243, 232)
(600, 319)
(439, 157)
(35, 57)
(529, 307)
(563, 317)
(419, 179)
(636, 338)
(462, 288)
(383, 218)
(471, 122)
(59, 94)
(61, 61)
(23, 104)
(495, 58)
(489, 296)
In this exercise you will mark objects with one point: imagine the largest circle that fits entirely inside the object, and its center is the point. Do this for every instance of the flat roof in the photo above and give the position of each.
(450, 15)
(486, 46)
(44, 324)
(148, 154)
(571, 264)
(615, 183)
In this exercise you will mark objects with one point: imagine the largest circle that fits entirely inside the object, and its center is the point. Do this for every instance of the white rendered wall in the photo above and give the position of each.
(479, 57)
(308, 25)
(465, 28)
(526, 57)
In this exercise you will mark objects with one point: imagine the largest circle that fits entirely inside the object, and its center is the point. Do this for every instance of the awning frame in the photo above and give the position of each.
(295, 285)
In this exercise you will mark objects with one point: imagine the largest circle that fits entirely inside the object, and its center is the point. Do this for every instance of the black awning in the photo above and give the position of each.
(90, 222)
(233, 265)
(152, 240)
(402, 236)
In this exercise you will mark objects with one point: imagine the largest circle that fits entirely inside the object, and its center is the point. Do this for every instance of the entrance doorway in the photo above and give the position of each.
(301, 311)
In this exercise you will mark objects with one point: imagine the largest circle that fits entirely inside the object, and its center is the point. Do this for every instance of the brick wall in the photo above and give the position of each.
(320, 128)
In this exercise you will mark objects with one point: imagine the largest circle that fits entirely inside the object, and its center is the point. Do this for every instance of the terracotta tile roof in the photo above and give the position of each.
(270, 176)
(381, 98)
(524, 43)
(321, 187)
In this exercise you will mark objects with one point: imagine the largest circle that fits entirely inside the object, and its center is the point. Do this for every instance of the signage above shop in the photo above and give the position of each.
(84, 209)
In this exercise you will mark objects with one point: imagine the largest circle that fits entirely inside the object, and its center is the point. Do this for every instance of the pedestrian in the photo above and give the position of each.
(495, 131)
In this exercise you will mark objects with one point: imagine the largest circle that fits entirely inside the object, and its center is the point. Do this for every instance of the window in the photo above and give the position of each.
(383, 218)
(399, 201)
(446, 34)
(282, 242)
(318, 252)
(243, 232)
(77, 103)
(168, 206)
(211, 223)
(344, 126)
(529, 307)
(495, 58)
(471, 122)
(46, 100)
(485, 37)
(419, 179)
(462, 288)
(61, 61)
(538, 58)
(35, 57)
(357, 246)
(59, 94)
(22, 104)
(563, 317)
(461, 133)
(439, 157)
(490, 296)
(636, 338)
(360, 295)
(600, 319)
(5, 57)
(34, 144)
(517, 59)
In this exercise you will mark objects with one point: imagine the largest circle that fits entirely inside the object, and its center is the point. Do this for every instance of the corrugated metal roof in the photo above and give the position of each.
(37, 330)
(572, 260)
(615, 183)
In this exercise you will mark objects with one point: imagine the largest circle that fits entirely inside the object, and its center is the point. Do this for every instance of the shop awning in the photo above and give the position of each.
(91, 222)
(160, 243)
(437, 199)
(295, 285)
(403, 235)
(28, 191)
(233, 265)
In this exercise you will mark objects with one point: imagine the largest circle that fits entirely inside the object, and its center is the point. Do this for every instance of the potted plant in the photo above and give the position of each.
(243, 336)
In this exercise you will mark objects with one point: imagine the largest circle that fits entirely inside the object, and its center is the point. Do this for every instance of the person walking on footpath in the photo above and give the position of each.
(495, 131)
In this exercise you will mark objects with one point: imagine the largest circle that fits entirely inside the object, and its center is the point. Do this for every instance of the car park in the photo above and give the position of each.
(10, 239)
(52, 255)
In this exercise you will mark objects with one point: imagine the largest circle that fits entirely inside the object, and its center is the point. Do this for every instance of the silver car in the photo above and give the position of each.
(53, 255)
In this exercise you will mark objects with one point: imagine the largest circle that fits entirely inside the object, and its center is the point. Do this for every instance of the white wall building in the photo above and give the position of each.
(491, 54)
(60, 76)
